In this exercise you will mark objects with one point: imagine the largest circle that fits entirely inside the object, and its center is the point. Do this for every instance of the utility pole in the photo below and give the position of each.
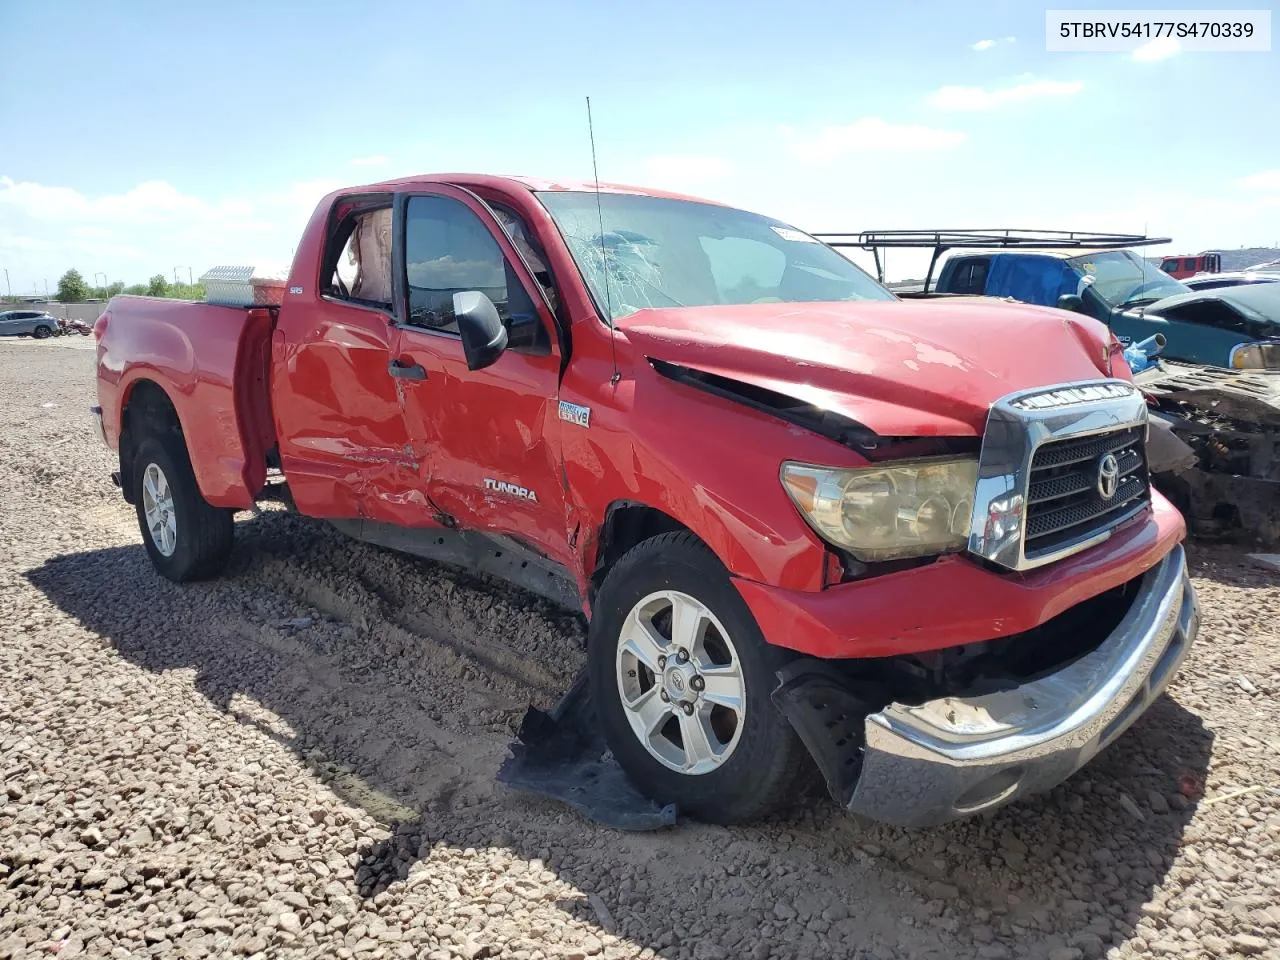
(176, 281)
(190, 282)
(104, 280)
(7, 284)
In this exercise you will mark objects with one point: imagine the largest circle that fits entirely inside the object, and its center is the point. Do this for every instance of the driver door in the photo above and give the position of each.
(487, 441)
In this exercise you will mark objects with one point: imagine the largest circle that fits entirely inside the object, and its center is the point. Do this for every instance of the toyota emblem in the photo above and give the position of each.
(1108, 476)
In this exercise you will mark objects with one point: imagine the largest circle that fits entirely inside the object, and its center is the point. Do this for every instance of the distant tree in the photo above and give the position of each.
(157, 286)
(72, 288)
(115, 289)
(136, 289)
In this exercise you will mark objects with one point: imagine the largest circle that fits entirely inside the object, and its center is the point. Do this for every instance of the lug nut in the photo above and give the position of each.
(697, 683)
(663, 695)
(687, 708)
(683, 655)
(662, 663)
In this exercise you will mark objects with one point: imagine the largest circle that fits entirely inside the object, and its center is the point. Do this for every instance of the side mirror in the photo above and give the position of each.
(1071, 301)
(483, 335)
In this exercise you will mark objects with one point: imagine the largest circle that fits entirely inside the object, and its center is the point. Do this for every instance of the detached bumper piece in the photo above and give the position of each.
(923, 765)
(99, 429)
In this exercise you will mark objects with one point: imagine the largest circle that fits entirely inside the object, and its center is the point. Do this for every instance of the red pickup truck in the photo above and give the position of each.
(911, 542)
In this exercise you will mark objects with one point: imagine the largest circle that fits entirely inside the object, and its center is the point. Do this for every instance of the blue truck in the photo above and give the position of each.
(1099, 275)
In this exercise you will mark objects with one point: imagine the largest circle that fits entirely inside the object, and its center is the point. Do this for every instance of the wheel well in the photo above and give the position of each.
(148, 411)
(625, 525)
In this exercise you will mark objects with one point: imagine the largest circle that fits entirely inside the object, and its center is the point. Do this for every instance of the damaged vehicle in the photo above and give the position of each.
(1222, 467)
(1099, 275)
(808, 523)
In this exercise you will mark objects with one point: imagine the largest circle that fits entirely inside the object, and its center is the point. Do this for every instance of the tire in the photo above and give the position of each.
(197, 545)
(42, 332)
(757, 761)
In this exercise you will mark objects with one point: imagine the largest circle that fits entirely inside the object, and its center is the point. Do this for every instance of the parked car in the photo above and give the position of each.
(1235, 278)
(28, 323)
(801, 515)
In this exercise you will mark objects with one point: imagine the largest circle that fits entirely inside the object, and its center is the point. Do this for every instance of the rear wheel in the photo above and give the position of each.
(682, 679)
(42, 332)
(186, 538)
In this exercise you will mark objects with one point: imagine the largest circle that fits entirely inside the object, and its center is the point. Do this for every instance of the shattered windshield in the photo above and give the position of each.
(1124, 279)
(659, 252)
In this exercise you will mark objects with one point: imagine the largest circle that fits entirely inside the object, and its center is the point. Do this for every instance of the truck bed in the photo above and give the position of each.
(213, 364)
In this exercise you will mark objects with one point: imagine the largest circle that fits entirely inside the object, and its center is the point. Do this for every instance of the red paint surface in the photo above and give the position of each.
(193, 352)
(955, 600)
(355, 442)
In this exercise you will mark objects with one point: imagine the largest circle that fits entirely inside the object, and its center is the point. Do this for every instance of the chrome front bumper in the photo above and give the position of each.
(927, 764)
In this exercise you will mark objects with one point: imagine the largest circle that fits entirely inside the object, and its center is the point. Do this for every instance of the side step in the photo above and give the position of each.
(492, 554)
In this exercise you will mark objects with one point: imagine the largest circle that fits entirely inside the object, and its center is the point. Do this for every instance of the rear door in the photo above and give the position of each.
(486, 441)
(342, 437)
(17, 322)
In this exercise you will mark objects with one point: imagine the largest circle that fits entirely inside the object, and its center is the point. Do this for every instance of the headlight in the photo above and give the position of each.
(1256, 356)
(911, 508)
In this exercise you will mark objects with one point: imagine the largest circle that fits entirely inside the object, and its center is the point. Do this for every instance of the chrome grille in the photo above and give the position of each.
(1064, 502)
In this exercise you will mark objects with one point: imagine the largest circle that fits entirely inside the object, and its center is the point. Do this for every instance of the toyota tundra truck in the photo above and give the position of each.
(912, 544)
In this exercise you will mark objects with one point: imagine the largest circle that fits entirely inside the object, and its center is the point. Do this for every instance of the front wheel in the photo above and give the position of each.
(42, 332)
(186, 537)
(682, 677)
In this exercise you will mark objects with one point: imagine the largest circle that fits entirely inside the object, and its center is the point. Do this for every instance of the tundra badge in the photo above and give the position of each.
(575, 414)
(501, 486)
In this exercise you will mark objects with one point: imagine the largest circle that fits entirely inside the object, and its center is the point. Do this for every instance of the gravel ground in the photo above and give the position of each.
(298, 760)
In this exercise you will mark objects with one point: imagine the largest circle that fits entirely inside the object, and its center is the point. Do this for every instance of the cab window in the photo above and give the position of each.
(449, 250)
(357, 264)
(970, 277)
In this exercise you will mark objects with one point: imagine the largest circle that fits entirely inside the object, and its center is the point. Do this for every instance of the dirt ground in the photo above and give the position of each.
(298, 760)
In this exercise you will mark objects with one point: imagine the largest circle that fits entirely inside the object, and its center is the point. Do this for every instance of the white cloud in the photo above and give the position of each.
(979, 98)
(154, 201)
(377, 160)
(132, 234)
(983, 45)
(1268, 181)
(865, 135)
(1161, 48)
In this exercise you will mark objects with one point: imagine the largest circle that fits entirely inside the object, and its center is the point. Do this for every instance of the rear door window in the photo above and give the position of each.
(970, 276)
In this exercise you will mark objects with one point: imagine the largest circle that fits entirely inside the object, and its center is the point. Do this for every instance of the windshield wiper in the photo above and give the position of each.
(1139, 302)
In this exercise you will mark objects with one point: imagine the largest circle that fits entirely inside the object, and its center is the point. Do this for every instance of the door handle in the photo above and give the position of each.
(406, 371)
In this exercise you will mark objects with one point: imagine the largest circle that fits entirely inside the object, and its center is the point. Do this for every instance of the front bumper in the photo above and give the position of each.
(927, 764)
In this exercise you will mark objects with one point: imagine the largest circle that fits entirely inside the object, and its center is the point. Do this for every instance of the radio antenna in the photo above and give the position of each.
(604, 253)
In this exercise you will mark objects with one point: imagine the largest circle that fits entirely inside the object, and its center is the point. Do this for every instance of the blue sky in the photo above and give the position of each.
(153, 135)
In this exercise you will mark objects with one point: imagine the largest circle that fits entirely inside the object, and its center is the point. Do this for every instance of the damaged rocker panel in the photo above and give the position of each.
(491, 554)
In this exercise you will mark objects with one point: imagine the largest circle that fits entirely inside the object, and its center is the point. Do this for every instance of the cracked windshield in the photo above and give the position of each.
(659, 252)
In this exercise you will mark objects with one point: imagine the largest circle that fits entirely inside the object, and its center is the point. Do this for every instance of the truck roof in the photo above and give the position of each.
(532, 184)
(1014, 252)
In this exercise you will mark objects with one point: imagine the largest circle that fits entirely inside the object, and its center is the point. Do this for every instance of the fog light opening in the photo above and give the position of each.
(995, 788)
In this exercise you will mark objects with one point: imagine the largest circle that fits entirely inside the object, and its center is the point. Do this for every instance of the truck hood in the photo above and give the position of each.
(1253, 310)
(901, 368)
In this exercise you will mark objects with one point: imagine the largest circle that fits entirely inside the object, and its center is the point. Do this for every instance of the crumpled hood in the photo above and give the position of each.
(902, 368)
(1253, 307)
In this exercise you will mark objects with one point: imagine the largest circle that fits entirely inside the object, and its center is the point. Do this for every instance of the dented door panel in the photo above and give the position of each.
(343, 441)
(486, 442)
